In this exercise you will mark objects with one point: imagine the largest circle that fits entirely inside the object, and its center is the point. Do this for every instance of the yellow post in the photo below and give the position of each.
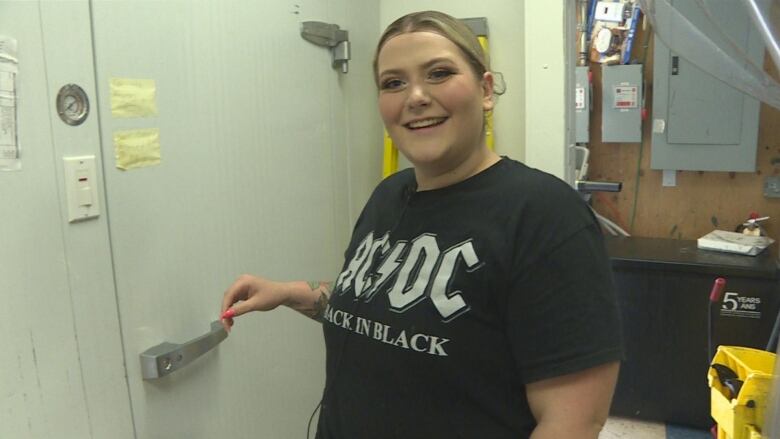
(390, 160)
(489, 115)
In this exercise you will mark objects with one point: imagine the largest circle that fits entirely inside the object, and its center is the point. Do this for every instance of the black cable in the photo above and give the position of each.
(308, 428)
(772, 345)
(710, 348)
(716, 294)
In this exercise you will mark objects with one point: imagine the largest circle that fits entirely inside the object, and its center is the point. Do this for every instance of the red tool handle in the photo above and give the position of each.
(717, 290)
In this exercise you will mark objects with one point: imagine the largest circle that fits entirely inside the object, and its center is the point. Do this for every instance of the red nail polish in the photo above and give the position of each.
(229, 314)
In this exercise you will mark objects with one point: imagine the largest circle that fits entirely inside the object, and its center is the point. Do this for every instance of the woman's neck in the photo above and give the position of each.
(429, 179)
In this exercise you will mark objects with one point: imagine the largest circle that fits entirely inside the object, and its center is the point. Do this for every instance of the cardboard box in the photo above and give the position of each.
(733, 242)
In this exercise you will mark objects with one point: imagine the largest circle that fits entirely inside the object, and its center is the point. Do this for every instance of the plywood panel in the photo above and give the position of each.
(701, 201)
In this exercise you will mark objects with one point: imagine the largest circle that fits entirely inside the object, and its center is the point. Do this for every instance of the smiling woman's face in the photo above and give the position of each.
(431, 101)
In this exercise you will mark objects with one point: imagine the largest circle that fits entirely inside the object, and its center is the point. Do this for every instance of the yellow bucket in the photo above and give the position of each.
(743, 416)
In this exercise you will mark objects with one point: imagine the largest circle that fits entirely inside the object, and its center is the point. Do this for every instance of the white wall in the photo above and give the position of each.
(61, 364)
(505, 25)
(41, 386)
(546, 72)
(87, 244)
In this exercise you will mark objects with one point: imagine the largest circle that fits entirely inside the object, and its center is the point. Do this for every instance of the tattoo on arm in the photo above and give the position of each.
(317, 309)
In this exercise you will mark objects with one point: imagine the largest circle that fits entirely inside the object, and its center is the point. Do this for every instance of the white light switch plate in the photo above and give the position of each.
(81, 188)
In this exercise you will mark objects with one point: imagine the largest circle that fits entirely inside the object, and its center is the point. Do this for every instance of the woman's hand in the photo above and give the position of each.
(252, 293)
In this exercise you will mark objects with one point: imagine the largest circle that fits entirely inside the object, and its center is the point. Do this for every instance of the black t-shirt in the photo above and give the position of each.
(451, 300)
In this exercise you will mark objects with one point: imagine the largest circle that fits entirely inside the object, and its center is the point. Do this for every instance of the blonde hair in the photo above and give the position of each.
(444, 25)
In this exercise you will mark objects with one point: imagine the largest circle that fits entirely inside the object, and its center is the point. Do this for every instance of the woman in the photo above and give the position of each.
(476, 298)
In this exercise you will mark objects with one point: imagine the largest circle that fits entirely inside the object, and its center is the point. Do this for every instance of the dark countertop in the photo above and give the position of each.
(683, 255)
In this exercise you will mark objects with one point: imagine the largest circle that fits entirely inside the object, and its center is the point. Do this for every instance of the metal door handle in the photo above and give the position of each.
(166, 358)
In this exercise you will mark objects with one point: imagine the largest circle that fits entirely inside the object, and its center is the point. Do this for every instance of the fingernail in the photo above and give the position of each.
(228, 314)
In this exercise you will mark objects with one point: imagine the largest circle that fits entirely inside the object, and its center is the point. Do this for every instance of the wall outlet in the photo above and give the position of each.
(772, 187)
(669, 178)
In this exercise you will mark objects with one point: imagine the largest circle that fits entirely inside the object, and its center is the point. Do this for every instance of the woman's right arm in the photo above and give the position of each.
(312, 298)
(253, 293)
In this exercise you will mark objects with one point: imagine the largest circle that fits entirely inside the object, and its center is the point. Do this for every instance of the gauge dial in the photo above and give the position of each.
(72, 104)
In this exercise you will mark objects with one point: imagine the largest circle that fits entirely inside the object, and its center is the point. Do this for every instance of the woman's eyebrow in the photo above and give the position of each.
(441, 59)
(424, 66)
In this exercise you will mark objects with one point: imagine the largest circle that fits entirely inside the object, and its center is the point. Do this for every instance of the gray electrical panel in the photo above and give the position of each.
(700, 123)
(621, 104)
(582, 104)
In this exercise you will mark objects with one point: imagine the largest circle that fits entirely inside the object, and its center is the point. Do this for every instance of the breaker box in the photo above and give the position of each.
(700, 123)
(621, 105)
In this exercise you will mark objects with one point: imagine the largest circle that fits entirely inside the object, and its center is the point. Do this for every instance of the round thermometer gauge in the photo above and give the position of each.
(72, 104)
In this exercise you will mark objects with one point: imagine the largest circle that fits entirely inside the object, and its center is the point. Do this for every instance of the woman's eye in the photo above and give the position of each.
(440, 74)
(391, 84)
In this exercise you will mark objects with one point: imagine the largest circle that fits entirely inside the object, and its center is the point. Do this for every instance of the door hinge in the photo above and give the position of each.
(329, 35)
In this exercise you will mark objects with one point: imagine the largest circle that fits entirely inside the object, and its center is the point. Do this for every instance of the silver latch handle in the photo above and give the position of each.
(166, 358)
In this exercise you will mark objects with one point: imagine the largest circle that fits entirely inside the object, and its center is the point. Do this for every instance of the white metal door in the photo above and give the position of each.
(252, 178)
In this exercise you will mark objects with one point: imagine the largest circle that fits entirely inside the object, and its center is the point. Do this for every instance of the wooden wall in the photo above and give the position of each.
(701, 201)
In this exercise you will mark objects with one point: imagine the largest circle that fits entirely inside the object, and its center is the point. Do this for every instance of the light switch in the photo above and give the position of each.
(85, 196)
(81, 188)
